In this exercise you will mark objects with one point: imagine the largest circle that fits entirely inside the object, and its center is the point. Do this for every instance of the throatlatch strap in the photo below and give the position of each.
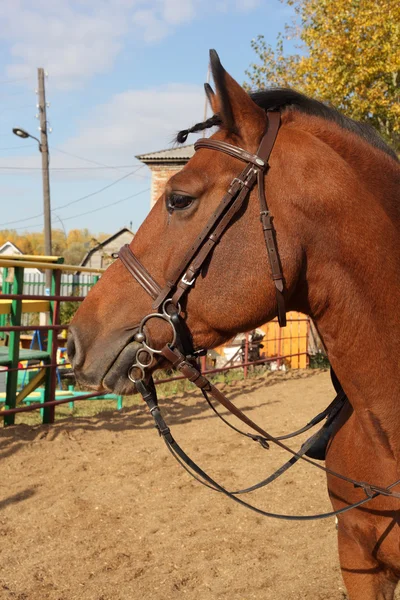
(264, 151)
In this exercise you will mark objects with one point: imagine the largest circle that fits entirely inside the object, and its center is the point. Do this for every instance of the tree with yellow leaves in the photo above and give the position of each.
(350, 58)
(73, 247)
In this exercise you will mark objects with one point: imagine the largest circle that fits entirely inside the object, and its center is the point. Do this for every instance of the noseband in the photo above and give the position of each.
(180, 352)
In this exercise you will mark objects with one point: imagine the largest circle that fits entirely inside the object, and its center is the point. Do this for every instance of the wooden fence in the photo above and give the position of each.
(289, 346)
(290, 341)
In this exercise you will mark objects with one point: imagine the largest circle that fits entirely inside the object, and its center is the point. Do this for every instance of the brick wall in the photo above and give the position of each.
(160, 174)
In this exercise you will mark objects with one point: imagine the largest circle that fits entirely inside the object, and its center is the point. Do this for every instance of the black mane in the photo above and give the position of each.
(283, 98)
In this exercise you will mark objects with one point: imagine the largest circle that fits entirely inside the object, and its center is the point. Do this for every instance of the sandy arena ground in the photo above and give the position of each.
(97, 509)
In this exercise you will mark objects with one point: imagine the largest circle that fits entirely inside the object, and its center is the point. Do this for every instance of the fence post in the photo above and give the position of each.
(52, 347)
(13, 352)
(307, 342)
(75, 284)
(246, 354)
(5, 290)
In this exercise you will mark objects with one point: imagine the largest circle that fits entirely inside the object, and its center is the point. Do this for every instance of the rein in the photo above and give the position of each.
(149, 395)
(180, 352)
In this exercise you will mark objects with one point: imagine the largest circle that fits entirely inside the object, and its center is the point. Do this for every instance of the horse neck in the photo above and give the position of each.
(353, 288)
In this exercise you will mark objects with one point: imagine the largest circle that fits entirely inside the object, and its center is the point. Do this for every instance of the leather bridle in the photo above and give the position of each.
(180, 352)
(188, 270)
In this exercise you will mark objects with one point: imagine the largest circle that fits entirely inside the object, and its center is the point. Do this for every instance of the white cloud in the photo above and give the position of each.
(138, 121)
(76, 39)
(176, 12)
(247, 5)
(131, 123)
(71, 45)
(151, 27)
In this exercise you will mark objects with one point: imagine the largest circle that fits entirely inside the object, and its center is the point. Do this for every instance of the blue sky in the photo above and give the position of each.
(123, 77)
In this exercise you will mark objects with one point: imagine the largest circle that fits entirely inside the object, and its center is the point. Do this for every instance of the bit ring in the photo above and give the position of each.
(164, 317)
(130, 373)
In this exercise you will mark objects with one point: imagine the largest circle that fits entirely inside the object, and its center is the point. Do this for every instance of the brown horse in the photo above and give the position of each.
(332, 188)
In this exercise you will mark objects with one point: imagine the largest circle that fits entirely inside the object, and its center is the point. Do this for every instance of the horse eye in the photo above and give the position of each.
(176, 201)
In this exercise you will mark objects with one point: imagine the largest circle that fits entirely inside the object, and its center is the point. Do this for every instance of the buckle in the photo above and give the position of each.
(265, 218)
(243, 182)
(187, 282)
(240, 182)
(202, 352)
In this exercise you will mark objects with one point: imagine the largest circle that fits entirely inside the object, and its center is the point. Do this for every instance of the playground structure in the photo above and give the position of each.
(40, 390)
(34, 387)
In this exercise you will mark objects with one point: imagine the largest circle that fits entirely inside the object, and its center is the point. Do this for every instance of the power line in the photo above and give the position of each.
(19, 93)
(83, 158)
(21, 106)
(94, 162)
(6, 81)
(108, 205)
(18, 147)
(66, 168)
(89, 211)
(74, 201)
(98, 191)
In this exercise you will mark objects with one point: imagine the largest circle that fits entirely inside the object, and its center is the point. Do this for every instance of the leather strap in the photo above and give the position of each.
(213, 238)
(185, 276)
(149, 394)
(260, 161)
(268, 141)
(192, 374)
(264, 151)
(234, 151)
(180, 275)
(186, 273)
(138, 271)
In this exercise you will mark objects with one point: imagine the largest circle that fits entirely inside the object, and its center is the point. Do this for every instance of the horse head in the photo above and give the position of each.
(233, 291)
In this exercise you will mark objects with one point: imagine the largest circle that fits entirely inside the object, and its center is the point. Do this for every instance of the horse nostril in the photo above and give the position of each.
(71, 348)
(74, 350)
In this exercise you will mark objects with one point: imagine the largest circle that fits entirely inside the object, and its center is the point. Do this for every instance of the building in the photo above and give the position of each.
(100, 256)
(163, 165)
(10, 249)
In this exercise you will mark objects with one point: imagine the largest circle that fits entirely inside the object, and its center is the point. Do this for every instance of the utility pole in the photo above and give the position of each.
(44, 149)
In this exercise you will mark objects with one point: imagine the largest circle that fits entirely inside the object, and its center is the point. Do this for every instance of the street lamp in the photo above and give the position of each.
(44, 150)
(21, 133)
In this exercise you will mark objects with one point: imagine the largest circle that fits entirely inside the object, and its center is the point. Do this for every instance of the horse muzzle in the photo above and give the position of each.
(104, 367)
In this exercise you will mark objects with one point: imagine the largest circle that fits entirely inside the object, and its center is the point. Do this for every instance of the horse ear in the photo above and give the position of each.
(233, 104)
(211, 97)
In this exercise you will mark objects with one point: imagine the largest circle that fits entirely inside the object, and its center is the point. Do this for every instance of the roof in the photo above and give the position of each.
(7, 244)
(180, 154)
(103, 243)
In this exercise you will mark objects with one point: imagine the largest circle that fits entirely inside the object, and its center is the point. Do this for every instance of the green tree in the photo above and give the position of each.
(350, 57)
